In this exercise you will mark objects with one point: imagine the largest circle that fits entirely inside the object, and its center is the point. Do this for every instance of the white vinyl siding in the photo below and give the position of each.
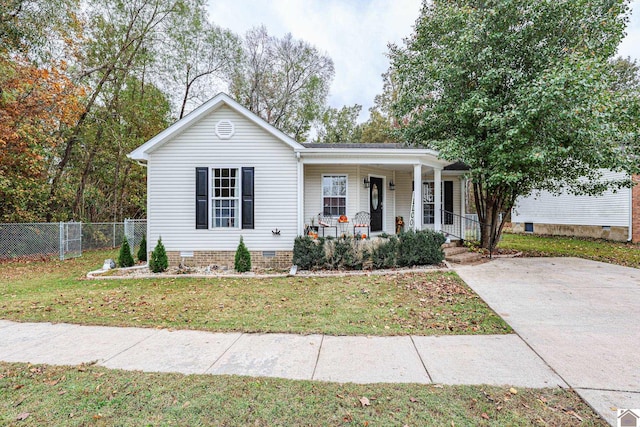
(171, 186)
(608, 209)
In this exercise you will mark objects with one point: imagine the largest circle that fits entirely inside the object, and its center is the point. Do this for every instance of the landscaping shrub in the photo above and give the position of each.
(243, 258)
(385, 254)
(307, 253)
(346, 252)
(124, 257)
(420, 248)
(142, 250)
(159, 261)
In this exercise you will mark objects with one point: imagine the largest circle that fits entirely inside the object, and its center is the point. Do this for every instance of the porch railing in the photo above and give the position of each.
(462, 227)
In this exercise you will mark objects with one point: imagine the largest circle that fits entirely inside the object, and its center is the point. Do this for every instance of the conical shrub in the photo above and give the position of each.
(124, 257)
(158, 262)
(243, 258)
(142, 250)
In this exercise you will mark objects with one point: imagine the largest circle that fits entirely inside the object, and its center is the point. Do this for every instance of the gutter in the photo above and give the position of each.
(630, 228)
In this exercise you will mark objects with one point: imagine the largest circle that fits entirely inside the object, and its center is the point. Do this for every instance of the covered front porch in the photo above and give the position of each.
(345, 181)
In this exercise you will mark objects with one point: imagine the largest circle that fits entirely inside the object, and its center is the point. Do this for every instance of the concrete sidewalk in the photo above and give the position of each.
(582, 317)
(492, 359)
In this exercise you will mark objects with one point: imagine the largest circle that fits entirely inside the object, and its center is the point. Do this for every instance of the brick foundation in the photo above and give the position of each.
(594, 231)
(281, 260)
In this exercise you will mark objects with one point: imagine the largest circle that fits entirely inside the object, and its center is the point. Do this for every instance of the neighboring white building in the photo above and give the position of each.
(608, 216)
(222, 172)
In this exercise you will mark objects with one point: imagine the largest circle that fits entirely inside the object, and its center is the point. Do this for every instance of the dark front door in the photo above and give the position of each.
(375, 203)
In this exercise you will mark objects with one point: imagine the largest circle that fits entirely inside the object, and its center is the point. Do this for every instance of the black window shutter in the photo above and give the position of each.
(448, 201)
(202, 198)
(247, 198)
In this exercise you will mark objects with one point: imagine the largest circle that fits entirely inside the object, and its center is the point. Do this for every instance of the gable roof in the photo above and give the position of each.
(142, 152)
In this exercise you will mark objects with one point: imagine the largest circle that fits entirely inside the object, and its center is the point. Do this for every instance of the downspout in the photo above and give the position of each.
(630, 234)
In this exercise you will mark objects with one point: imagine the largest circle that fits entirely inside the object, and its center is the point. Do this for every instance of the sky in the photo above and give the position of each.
(354, 33)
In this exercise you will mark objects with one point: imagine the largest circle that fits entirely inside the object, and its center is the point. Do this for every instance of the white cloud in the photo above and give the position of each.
(354, 33)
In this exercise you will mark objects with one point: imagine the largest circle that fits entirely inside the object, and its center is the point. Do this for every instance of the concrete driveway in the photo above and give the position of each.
(582, 317)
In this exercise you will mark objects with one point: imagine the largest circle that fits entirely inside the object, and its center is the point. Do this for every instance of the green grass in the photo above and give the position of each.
(94, 396)
(420, 303)
(626, 254)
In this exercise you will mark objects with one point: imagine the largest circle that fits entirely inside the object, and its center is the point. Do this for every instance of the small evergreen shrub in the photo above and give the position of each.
(159, 261)
(420, 248)
(346, 252)
(385, 254)
(243, 258)
(308, 254)
(142, 250)
(124, 257)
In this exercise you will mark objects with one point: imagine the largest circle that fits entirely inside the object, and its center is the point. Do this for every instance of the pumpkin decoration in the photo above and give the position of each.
(343, 219)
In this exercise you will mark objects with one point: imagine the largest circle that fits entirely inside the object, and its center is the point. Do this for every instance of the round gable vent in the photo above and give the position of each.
(224, 129)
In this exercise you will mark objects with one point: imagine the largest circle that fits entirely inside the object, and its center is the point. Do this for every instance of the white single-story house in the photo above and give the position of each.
(222, 172)
(612, 215)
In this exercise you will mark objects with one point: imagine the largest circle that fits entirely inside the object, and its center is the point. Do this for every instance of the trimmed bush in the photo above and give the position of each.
(307, 253)
(159, 261)
(243, 258)
(124, 257)
(385, 254)
(420, 248)
(346, 252)
(142, 250)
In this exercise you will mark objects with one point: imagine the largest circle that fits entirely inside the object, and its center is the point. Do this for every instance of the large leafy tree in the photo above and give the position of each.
(525, 93)
(284, 81)
(340, 125)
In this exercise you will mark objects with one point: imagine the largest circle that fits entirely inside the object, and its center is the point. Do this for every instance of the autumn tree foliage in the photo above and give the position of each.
(37, 107)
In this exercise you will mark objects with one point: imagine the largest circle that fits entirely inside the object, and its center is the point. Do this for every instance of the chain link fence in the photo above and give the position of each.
(66, 239)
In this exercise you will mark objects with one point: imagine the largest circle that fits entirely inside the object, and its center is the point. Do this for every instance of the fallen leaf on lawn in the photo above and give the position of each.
(413, 399)
(23, 416)
(18, 386)
(97, 416)
(513, 391)
(438, 386)
(185, 404)
(54, 382)
(339, 396)
(364, 401)
(19, 401)
(485, 416)
(577, 417)
(61, 392)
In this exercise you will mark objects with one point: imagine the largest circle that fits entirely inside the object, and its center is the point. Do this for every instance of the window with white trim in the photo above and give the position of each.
(428, 202)
(334, 195)
(226, 198)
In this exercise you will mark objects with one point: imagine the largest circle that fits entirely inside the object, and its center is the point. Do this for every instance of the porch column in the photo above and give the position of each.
(418, 219)
(437, 199)
(463, 197)
(300, 228)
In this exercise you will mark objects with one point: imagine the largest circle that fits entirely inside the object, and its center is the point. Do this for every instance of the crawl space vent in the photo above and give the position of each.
(224, 129)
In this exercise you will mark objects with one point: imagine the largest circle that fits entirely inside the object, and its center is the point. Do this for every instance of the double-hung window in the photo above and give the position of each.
(428, 198)
(226, 197)
(334, 195)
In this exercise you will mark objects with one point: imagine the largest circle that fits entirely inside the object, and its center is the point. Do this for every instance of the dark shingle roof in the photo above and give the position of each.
(357, 145)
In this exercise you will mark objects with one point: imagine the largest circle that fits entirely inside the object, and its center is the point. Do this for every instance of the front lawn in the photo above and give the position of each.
(36, 395)
(626, 254)
(417, 303)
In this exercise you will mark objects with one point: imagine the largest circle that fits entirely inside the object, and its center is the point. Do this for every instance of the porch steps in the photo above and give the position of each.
(460, 254)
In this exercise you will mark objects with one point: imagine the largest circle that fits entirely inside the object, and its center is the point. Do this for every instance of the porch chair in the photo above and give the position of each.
(326, 221)
(361, 220)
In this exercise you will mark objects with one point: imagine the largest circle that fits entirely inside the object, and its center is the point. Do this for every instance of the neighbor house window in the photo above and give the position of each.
(429, 207)
(225, 201)
(334, 195)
